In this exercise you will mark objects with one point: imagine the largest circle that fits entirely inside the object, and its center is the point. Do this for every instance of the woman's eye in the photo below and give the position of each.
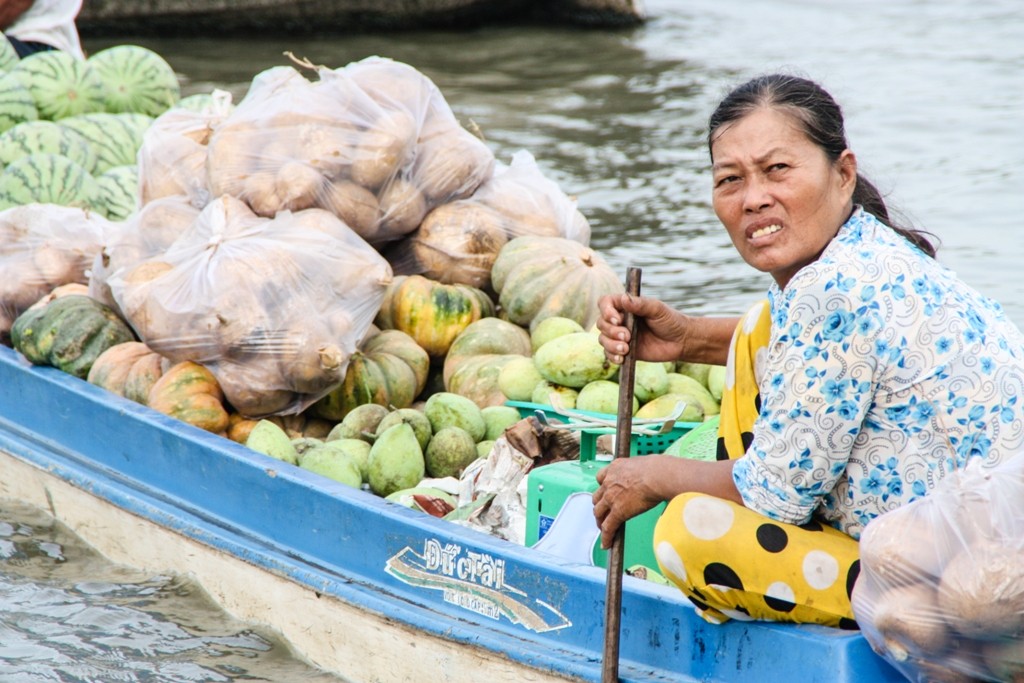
(726, 180)
(777, 167)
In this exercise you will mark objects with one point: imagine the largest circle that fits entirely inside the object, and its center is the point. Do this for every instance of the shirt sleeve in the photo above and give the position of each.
(818, 385)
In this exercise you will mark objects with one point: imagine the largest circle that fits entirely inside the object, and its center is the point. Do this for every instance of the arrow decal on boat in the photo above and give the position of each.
(473, 581)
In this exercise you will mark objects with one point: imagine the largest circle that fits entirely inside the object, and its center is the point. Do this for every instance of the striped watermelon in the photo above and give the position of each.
(34, 137)
(119, 188)
(49, 179)
(114, 139)
(60, 84)
(136, 79)
(8, 55)
(16, 103)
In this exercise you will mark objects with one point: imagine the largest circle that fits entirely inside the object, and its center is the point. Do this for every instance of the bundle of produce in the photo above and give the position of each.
(172, 157)
(145, 234)
(458, 242)
(372, 142)
(43, 246)
(941, 588)
(272, 307)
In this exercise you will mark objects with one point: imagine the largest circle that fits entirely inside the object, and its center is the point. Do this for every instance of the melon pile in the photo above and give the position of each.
(333, 246)
(70, 129)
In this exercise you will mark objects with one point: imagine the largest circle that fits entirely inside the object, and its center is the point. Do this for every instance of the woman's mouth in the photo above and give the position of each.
(766, 230)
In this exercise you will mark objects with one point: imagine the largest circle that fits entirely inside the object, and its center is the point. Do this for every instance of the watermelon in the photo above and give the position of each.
(140, 123)
(16, 103)
(136, 79)
(35, 137)
(60, 84)
(114, 139)
(49, 179)
(8, 55)
(119, 189)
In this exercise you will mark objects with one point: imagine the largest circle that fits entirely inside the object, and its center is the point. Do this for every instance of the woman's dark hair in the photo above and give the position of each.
(822, 121)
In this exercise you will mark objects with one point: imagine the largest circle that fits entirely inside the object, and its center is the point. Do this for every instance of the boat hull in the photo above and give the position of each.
(341, 573)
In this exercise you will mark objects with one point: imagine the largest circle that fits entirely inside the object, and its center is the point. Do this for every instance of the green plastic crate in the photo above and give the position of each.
(641, 444)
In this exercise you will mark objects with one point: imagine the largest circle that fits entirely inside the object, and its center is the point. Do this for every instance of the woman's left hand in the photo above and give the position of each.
(627, 488)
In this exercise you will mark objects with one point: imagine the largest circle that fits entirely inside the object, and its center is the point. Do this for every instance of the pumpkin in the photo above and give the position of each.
(458, 242)
(477, 356)
(190, 393)
(430, 312)
(539, 277)
(389, 369)
(69, 333)
(129, 369)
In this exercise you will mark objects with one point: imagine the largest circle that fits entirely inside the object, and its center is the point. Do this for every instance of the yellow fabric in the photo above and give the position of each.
(733, 562)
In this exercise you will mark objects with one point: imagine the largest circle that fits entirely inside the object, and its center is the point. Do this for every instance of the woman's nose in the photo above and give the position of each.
(756, 196)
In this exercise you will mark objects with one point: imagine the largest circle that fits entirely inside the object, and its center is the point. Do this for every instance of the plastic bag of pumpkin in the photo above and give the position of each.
(172, 157)
(146, 233)
(272, 307)
(373, 142)
(941, 587)
(458, 242)
(43, 246)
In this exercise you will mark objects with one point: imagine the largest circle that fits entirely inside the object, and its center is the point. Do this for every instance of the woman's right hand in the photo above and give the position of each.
(660, 328)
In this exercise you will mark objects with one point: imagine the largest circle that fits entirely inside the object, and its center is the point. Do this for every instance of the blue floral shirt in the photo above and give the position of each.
(883, 374)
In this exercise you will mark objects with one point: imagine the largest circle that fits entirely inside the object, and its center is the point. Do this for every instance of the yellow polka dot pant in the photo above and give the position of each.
(735, 563)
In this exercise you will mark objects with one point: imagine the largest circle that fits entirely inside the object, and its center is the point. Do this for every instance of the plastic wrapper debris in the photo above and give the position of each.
(492, 490)
(43, 246)
(274, 308)
(172, 158)
(146, 233)
(373, 142)
(941, 588)
(458, 242)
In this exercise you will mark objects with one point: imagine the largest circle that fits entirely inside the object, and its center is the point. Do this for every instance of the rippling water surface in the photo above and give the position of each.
(934, 104)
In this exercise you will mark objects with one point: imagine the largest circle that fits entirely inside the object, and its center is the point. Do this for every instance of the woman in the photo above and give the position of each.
(868, 374)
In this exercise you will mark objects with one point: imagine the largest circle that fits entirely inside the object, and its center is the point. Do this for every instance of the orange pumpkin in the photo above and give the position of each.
(430, 312)
(190, 393)
(129, 369)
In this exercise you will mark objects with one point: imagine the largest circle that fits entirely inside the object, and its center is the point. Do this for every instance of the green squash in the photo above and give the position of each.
(542, 277)
(69, 333)
(389, 369)
(478, 354)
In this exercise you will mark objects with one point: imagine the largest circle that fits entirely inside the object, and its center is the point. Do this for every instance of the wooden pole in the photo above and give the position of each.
(623, 439)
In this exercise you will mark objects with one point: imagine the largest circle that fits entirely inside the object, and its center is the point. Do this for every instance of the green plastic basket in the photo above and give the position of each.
(642, 444)
(700, 443)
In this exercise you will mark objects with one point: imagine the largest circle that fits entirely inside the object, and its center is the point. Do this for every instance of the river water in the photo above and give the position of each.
(933, 96)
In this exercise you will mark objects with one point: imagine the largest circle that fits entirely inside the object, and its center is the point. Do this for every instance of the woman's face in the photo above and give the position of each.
(777, 194)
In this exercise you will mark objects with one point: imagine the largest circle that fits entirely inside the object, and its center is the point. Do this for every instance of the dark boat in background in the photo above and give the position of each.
(220, 17)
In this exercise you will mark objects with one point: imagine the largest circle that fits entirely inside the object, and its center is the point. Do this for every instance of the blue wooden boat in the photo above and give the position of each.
(359, 585)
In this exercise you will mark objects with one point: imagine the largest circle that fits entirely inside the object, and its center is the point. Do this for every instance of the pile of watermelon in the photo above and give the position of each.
(70, 129)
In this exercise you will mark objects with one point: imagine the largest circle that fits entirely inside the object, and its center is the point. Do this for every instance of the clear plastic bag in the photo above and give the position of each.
(172, 158)
(373, 142)
(43, 246)
(531, 203)
(458, 242)
(941, 587)
(146, 233)
(273, 308)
